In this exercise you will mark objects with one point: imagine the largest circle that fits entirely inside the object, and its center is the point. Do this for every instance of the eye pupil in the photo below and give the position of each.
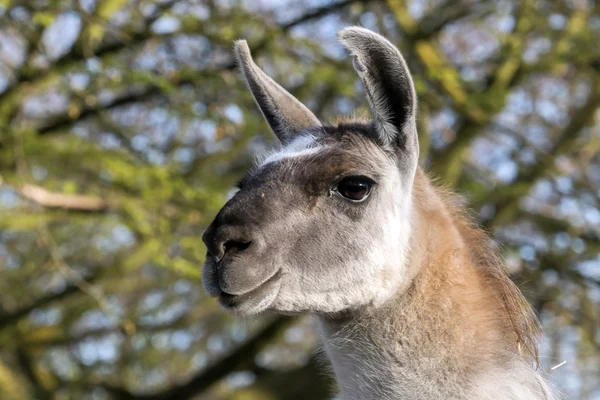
(355, 189)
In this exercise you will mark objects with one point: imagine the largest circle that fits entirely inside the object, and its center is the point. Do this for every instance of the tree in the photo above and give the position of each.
(124, 125)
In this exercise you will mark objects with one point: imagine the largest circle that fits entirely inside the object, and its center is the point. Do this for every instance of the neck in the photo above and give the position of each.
(446, 334)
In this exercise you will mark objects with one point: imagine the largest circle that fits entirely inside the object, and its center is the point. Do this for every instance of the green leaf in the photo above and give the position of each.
(43, 18)
(106, 9)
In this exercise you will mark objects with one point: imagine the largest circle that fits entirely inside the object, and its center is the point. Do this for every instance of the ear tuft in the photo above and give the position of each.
(358, 66)
(284, 113)
(388, 85)
(242, 52)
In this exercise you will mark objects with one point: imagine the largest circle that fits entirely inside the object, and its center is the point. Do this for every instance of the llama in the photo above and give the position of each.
(343, 224)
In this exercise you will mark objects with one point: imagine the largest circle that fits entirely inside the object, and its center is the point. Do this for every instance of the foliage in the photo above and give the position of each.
(124, 125)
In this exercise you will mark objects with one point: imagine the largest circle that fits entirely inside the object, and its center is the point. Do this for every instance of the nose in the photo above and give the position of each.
(221, 240)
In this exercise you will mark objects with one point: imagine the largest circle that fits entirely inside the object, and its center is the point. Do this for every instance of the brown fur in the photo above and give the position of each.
(457, 324)
(460, 264)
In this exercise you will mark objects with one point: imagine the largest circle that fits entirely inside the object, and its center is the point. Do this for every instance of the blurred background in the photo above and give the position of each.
(124, 126)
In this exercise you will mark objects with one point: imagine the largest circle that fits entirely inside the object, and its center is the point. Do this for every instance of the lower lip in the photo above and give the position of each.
(233, 301)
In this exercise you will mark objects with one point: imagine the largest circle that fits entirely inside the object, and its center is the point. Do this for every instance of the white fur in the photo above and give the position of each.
(366, 371)
(303, 145)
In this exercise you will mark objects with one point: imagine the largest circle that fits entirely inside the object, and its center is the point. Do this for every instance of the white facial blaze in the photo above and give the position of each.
(301, 146)
(389, 252)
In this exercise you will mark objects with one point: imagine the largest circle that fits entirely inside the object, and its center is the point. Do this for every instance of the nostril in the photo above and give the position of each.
(234, 244)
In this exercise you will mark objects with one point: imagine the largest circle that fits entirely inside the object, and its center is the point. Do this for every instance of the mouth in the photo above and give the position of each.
(254, 301)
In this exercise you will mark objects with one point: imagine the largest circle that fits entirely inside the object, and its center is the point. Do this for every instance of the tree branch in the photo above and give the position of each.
(13, 316)
(213, 373)
(77, 56)
(65, 121)
(507, 197)
(489, 102)
(27, 367)
(46, 198)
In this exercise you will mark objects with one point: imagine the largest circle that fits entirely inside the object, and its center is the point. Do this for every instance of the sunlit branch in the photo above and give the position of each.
(50, 199)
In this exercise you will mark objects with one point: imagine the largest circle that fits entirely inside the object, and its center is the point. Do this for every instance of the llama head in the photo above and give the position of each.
(322, 225)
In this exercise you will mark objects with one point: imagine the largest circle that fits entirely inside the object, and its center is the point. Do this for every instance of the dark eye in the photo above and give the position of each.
(355, 188)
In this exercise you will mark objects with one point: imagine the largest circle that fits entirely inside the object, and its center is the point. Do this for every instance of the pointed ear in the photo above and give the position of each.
(389, 87)
(284, 113)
